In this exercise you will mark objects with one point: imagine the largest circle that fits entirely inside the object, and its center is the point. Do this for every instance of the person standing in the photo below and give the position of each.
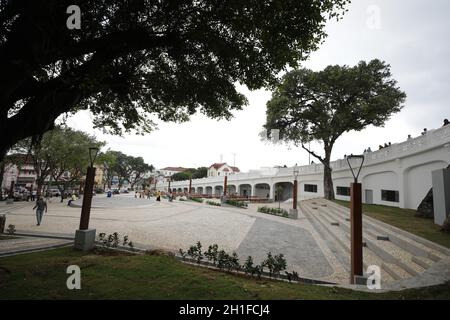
(40, 206)
(158, 196)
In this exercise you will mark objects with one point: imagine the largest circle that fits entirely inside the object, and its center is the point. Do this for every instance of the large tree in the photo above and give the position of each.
(133, 60)
(322, 105)
(68, 156)
(61, 154)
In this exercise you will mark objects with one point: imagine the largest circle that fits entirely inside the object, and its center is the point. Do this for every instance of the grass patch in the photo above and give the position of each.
(7, 237)
(405, 219)
(42, 275)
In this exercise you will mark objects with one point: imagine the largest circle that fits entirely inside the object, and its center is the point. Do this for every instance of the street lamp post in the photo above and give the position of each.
(356, 266)
(293, 213)
(225, 186)
(85, 237)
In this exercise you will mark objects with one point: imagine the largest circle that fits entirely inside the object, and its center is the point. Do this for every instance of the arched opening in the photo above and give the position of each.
(185, 190)
(199, 190)
(209, 191)
(283, 191)
(180, 190)
(218, 190)
(262, 190)
(245, 190)
(231, 190)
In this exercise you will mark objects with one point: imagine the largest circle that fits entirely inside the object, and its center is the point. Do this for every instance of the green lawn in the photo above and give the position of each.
(405, 219)
(42, 275)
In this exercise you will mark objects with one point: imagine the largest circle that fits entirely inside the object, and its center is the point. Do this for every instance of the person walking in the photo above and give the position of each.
(40, 206)
(158, 196)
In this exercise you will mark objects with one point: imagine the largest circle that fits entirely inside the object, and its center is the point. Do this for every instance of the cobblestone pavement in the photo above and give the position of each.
(178, 224)
(314, 245)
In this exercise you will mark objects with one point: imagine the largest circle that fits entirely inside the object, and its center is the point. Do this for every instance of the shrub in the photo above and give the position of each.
(182, 253)
(213, 203)
(113, 240)
(212, 253)
(236, 203)
(275, 264)
(292, 276)
(274, 211)
(11, 229)
(195, 252)
(196, 199)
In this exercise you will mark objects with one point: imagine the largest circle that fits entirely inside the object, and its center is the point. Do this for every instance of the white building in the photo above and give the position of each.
(399, 175)
(221, 169)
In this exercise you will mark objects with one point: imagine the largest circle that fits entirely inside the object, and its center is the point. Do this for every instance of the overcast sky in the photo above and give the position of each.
(411, 35)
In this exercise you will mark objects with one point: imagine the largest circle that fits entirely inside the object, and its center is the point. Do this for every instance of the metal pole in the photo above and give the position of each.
(225, 181)
(356, 231)
(294, 205)
(11, 190)
(87, 198)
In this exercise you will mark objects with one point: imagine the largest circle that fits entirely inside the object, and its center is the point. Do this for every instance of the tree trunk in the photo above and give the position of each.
(2, 172)
(328, 189)
(40, 183)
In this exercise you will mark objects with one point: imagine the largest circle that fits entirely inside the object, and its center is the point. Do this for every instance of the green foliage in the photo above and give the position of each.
(191, 173)
(181, 176)
(200, 172)
(196, 199)
(113, 240)
(230, 262)
(322, 105)
(129, 168)
(237, 203)
(292, 276)
(195, 252)
(11, 229)
(274, 211)
(134, 61)
(275, 264)
(212, 253)
(213, 203)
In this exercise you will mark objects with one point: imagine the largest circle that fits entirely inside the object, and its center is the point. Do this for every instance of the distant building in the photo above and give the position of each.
(221, 169)
(23, 176)
(170, 171)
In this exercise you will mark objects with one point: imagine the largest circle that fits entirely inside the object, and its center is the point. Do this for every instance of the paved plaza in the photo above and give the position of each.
(316, 245)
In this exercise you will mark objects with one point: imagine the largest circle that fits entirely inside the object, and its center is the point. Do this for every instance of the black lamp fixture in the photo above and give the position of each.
(93, 152)
(360, 156)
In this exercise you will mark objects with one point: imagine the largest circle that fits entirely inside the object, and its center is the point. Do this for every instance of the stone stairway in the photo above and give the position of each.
(399, 254)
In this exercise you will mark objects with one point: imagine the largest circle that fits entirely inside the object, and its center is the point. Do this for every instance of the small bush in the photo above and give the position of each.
(274, 211)
(292, 276)
(11, 229)
(113, 240)
(196, 199)
(275, 264)
(236, 203)
(212, 253)
(195, 252)
(213, 203)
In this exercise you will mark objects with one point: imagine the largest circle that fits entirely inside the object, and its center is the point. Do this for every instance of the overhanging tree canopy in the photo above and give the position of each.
(133, 59)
